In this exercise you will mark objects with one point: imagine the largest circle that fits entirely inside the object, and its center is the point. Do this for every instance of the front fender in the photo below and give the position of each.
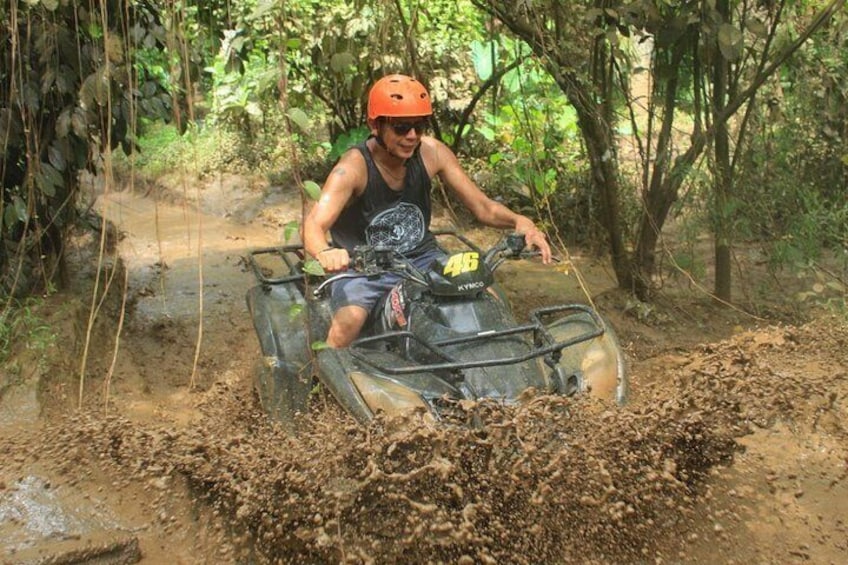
(284, 381)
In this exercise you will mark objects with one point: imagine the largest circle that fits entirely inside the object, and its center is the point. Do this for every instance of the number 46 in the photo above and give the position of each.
(461, 263)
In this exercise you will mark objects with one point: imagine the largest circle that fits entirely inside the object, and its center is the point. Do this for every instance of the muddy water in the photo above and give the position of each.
(695, 470)
(175, 253)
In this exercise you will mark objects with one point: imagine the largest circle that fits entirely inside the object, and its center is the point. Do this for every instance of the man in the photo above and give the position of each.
(379, 193)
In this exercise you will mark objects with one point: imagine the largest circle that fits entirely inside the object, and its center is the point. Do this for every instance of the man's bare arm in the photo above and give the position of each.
(487, 211)
(340, 187)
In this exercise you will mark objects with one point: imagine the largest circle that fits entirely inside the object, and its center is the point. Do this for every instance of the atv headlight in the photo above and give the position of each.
(601, 369)
(388, 396)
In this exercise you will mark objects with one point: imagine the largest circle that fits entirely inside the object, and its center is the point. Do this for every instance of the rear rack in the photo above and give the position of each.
(540, 336)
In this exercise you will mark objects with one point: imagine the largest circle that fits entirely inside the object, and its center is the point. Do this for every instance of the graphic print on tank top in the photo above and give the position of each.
(400, 228)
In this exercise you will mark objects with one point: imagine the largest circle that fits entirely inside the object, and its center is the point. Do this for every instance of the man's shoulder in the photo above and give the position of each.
(350, 171)
(437, 156)
(433, 152)
(354, 154)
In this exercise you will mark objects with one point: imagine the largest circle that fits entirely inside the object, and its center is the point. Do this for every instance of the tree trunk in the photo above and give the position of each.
(722, 180)
(662, 190)
(605, 180)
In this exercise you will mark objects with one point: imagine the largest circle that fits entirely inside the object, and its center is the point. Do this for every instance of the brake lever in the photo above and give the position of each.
(536, 253)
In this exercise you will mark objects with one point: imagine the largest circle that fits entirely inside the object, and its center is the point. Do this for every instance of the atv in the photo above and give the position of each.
(438, 337)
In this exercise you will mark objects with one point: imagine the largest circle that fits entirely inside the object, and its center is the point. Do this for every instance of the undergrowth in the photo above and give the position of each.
(23, 327)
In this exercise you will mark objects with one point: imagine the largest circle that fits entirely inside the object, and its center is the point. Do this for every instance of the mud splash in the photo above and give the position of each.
(553, 480)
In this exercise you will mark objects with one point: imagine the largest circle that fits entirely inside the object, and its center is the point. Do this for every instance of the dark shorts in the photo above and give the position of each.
(365, 292)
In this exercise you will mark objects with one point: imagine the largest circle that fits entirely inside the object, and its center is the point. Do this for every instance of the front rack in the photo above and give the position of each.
(543, 344)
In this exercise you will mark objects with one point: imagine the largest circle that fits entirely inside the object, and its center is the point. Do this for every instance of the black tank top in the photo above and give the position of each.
(399, 219)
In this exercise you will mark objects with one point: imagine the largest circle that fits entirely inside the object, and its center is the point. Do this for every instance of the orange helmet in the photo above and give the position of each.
(398, 96)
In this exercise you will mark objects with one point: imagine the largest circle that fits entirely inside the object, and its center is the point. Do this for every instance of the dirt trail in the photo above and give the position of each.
(732, 450)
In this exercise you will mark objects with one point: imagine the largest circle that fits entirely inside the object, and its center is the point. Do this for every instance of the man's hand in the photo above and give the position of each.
(333, 259)
(534, 237)
(537, 239)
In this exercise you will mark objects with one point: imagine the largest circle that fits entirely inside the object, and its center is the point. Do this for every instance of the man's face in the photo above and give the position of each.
(402, 135)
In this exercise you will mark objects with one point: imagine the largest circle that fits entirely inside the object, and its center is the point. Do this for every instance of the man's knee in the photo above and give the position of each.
(346, 325)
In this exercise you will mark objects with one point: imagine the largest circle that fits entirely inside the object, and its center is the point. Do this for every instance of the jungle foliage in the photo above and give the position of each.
(604, 120)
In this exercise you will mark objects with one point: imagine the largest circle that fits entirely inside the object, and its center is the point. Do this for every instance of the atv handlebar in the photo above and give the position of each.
(373, 261)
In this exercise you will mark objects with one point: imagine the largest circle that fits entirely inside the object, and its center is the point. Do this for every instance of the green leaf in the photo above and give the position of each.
(20, 208)
(319, 345)
(10, 216)
(88, 91)
(484, 56)
(289, 230)
(253, 109)
(340, 62)
(347, 140)
(295, 310)
(54, 155)
(79, 123)
(730, 42)
(486, 132)
(299, 118)
(262, 9)
(44, 184)
(756, 27)
(312, 189)
(314, 268)
(49, 179)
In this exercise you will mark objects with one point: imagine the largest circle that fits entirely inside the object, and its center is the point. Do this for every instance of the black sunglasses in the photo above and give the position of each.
(403, 128)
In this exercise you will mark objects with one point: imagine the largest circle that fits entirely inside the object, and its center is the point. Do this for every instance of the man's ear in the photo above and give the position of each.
(374, 125)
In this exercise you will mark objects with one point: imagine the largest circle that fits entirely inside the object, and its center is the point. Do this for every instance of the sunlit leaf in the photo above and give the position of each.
(314, 268)
(730, 42)
(340, 62)
(299, 118)
(486, 132)
(88, 91)
(756, 27)
(262, 9)
(319, 345)
(79, 123)
(484, 57)
(289, 230)
(295, 310)
(312, 189)
(253, 109)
